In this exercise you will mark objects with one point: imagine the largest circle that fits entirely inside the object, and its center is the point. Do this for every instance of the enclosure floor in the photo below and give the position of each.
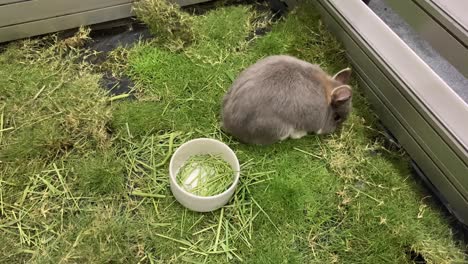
(85, 149)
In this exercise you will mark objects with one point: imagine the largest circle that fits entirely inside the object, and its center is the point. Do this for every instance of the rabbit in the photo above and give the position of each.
(282, 97)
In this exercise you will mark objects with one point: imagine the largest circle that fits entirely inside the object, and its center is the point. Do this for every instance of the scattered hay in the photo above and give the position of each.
(58, 106)
(78, 40)
(171, 26)
(218, 233)
(116, 62)
(100, 174)
(145, 156)
(28, 218)
(205, 235)
(434, 252)
(345, 155)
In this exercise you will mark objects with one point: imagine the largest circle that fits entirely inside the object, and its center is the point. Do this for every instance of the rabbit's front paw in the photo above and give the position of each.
(297, 134)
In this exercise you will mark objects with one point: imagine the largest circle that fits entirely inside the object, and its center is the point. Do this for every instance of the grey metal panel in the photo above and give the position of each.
(442, 157)
(445, 34)
(6, 2)
(440, 65)
(423, 87)
(58, 23)
(459, 28)
(64, 22)
(457, 9)
(43, 9)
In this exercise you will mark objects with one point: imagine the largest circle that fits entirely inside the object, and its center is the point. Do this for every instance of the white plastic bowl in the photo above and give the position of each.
(197, 147)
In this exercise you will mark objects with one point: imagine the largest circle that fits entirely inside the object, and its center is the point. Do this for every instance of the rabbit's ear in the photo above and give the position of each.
(343, 76)
(341, 94)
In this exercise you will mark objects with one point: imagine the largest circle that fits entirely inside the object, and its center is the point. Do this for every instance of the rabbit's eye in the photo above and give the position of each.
(337, 117)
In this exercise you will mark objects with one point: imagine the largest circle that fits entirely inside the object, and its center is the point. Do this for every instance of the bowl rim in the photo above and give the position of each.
(213, 197)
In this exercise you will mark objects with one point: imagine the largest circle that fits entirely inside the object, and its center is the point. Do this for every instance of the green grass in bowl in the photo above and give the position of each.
(205, 175)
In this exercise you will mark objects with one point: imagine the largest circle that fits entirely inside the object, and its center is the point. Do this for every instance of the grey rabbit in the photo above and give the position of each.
(282, 97)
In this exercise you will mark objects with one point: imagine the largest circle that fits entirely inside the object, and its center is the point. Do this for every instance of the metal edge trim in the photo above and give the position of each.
(442, 102)
(438, 157)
